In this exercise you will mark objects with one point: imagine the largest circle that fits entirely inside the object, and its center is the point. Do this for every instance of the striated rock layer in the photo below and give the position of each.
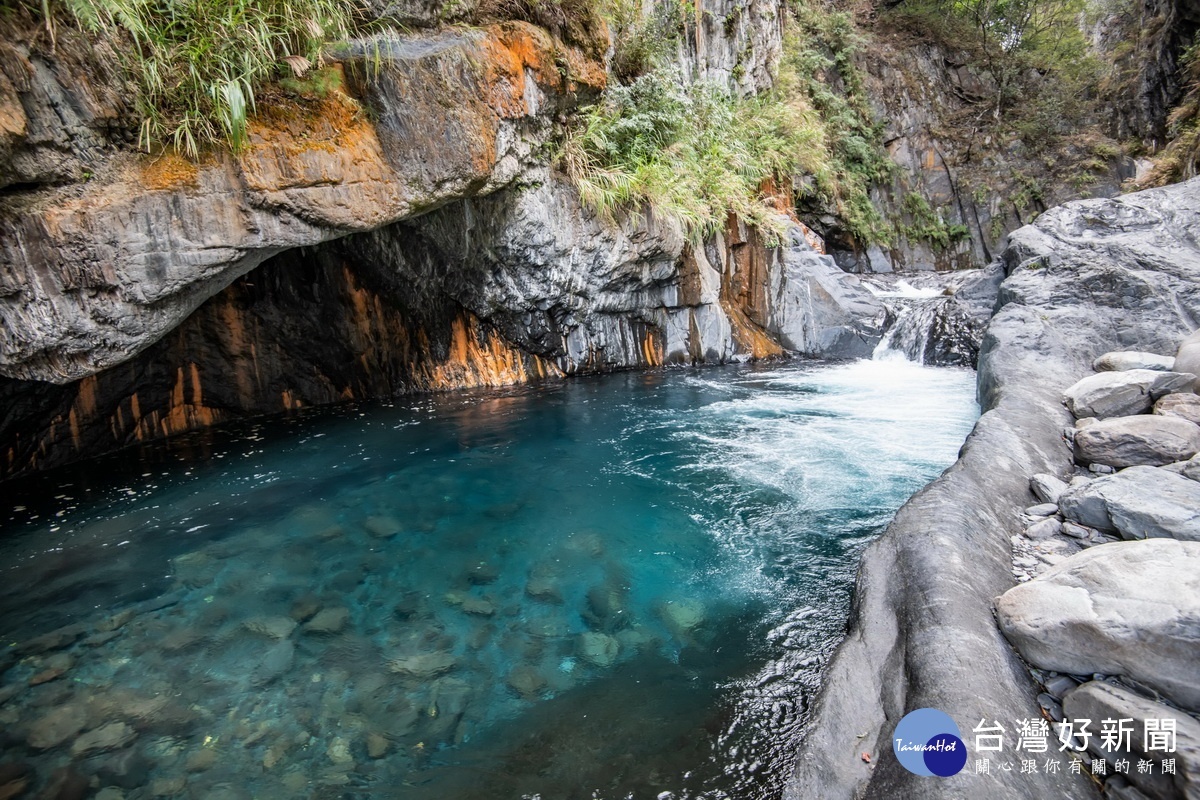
(403, 236)
(92, 275)
(1087, 278)
(520, 285)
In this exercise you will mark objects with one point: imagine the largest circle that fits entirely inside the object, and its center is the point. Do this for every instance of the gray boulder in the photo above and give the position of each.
(1121, 360)
(1188, 357)
(1044, 529)
(1188, 469)
(1146, 440)
(1047, 488)
(1138, 503)
(1098, 700)
(1185, 405)
(1127, 608)
(1118, 394)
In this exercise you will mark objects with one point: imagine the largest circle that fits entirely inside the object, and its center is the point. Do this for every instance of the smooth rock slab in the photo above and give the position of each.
(1122, 360)
(1145, 440)
(1138, 503)
(1185, 405)
(1118, 394)
(1128, 608)
(1097, 701)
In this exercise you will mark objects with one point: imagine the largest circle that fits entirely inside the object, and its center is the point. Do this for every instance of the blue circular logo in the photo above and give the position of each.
(927, 742)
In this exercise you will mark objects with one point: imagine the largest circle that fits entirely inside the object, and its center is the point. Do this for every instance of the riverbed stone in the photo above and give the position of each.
(377, 745)
(328, 621)
(526, 681)
(1099, 700)
(56, 726)
(1119, 394)
(1147, 439)
(1047, 488)
(107, 737)
(423, 665)
(15, 777)
(277, 627)
(479, 606)
(1128, 608)
(544, 589)
(1138, 503)
(1042, 510)
(1122, 360)
(1185, 405)
(599, 649)
(382, 527)
(274, 663)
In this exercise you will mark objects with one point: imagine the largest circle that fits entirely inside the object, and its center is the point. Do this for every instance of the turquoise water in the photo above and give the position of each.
(615, 587)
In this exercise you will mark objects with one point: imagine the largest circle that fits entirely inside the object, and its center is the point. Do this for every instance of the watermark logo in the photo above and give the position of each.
(927, 742)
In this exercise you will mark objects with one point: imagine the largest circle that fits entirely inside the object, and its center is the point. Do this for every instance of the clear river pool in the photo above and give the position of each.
(614, 587)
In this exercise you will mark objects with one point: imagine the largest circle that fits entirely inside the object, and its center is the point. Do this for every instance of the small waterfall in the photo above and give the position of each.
(926, 325)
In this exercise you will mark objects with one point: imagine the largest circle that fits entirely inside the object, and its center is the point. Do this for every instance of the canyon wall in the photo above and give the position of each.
(405, 235)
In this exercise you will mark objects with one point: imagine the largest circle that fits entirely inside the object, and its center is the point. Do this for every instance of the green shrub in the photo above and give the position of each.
(692, 154)
(197, 63)
(819, 66)
(926, 225)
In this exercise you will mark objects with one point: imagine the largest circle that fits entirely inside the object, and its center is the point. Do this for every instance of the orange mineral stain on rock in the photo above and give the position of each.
(168, 170)
(652, 348)
(181, 414)
(480, 358)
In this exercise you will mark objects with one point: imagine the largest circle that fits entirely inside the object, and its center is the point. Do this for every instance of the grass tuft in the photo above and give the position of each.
(197, 63)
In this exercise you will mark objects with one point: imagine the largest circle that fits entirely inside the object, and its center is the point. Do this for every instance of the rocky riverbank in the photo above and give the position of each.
(1086, 279)
(1114, 632)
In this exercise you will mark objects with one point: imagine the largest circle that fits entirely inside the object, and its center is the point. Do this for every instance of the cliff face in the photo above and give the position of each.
(405, 236)
(487, 292)
(92, 274)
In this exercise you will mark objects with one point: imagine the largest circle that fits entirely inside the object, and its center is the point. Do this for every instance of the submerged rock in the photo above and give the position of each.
(1129, 608)
(271, 627)
(423, 665)
(328, 621)
(526, 681)
(544, 589)
(599, 649)
(682, 616)
(381, 527)
(106, 737)
(54, 728)
(15, 777)
(1119, 394)
(1147, 440)
(277, 660)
